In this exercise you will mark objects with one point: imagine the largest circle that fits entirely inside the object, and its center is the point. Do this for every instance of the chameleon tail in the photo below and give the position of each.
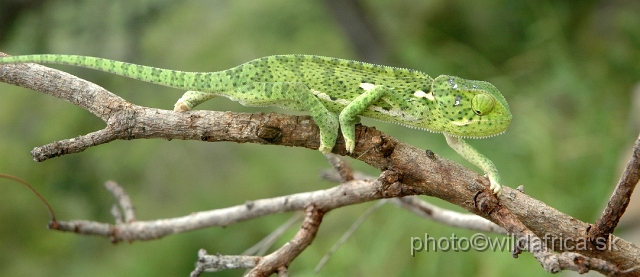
(200, 81)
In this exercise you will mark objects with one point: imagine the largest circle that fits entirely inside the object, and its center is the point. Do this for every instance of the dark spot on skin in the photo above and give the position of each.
(333, 98)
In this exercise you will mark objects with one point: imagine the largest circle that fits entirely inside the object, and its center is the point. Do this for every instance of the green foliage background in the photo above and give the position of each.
(567, 69)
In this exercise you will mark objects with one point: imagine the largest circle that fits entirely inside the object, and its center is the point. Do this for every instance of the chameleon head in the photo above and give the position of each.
(469, 109)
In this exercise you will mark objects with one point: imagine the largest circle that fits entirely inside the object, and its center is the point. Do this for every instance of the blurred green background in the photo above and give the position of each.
(567, 68)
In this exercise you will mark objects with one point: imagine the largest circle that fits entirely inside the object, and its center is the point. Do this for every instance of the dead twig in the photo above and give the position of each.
(620, 198)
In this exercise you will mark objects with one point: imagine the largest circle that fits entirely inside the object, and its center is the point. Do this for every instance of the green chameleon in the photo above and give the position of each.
(336, 92)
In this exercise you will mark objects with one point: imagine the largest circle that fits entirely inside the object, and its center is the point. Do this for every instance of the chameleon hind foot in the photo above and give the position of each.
(191, 99)
(495, 186)
(184, 104)
(180, 107)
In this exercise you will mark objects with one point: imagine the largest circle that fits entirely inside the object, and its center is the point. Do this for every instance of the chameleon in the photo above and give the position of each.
(336, 92)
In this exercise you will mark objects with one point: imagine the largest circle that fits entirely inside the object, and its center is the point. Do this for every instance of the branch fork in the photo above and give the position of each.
(406, 171)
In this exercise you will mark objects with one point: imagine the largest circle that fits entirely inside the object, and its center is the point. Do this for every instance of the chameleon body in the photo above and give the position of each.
(336, 92)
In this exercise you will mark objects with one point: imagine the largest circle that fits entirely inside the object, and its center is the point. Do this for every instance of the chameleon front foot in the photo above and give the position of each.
(325, 149)
(495, 186)
(473, 156)
(327, 141)
(350, 145)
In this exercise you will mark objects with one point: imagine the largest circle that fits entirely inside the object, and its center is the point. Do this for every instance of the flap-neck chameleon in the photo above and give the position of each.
(336, 92)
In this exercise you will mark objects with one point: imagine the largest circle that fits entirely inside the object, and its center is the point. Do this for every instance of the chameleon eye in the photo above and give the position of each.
(482, 104)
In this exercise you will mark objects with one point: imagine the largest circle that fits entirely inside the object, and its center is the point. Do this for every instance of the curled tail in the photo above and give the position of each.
(199, 81)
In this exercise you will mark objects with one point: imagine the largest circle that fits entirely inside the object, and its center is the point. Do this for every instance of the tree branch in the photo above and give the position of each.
(277, 261)
(406, 169)
(416, 205)
(354, 192)
(123, 201)
(619, 201)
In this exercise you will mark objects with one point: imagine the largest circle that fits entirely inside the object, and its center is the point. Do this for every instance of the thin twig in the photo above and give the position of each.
(53, 224)
(276, 262)
(620, 198)
(357, 191)
(117, 215)
(123, 200)
(341, 166)
(263, 245)
(219, 262)
(348, 234)
(452, 218)
(289, 251)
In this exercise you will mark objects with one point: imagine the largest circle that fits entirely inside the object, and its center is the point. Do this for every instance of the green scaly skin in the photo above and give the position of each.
(336, 92)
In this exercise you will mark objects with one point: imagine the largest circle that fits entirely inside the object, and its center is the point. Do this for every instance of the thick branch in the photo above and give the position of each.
(417, 205)
(543, 247)
(127, 121)
(414, 171)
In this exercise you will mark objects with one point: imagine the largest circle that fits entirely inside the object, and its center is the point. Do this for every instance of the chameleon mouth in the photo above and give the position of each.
(457, 124)
(471, 121)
